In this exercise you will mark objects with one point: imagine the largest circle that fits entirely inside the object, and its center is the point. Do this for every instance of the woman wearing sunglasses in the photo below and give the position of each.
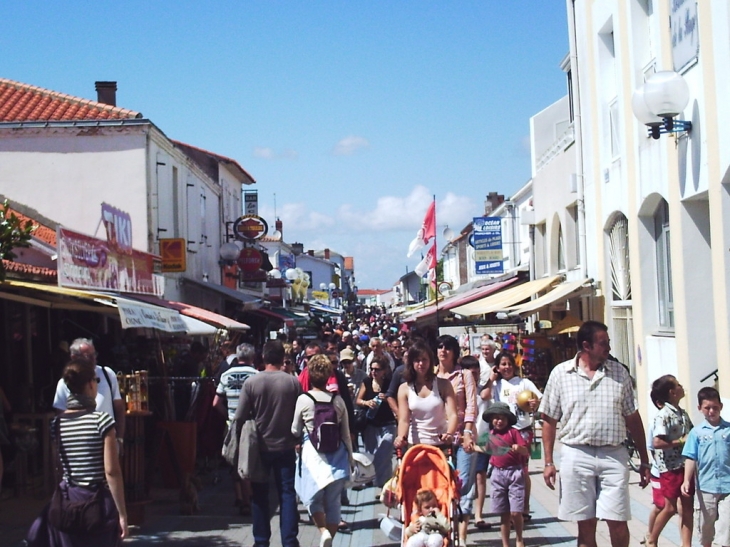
(379, 433)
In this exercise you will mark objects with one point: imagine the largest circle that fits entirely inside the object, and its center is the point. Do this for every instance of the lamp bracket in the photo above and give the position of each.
(670, 125)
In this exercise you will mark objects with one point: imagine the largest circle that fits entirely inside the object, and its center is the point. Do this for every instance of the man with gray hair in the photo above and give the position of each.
(226, 402)
(108, 398)
(487, 362)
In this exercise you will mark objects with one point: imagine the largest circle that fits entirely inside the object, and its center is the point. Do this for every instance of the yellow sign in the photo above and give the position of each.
(173, 253)
(321, 295)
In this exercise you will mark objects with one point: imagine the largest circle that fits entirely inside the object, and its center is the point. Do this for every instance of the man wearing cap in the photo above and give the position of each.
(593, 399)
(354, 376)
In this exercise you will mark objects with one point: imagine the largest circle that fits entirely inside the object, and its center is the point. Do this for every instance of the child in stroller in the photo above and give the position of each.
(431, 526)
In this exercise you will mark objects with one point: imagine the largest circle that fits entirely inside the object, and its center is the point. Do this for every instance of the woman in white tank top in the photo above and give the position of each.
(426, 404)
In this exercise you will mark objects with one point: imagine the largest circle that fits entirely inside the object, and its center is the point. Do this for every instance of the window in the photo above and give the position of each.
(614, 125)
(618, 244)
(664, 266)
(561, 250)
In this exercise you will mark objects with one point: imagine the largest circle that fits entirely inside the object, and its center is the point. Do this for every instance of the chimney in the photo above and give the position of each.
(493, 201)
(106, 93)
(297, 248)
(279, 225)
(310, 252)
(326, 254)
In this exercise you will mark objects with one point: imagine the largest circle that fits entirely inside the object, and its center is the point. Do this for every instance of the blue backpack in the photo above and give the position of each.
(325, 434)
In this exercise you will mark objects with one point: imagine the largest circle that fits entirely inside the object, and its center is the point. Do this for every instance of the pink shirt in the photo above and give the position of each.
(511, 459)
(465, 390)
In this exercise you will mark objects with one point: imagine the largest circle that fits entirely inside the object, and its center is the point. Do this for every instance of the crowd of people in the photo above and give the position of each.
(369, 385)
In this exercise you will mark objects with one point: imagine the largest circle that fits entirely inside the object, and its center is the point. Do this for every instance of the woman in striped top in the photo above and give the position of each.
(90, 461)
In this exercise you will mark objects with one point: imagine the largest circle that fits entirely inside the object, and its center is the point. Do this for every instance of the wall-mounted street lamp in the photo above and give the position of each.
(659, 101)
(229, 253)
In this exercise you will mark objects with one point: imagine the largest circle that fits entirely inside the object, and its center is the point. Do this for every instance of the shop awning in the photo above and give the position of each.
(132, 313)
(506, 298)
(328, 310)
(288, 317)
(462, 299)
(215, 319)
(557, 293)
(231, 294)
(194, 327)
(141, 315)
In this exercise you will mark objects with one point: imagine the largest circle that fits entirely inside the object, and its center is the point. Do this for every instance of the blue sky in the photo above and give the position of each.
(353, 114)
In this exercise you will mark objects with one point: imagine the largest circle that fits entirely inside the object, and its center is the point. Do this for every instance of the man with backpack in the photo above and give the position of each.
(269, 398)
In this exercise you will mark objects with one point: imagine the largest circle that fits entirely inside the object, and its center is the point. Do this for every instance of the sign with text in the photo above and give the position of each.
(250, 228)
(488, 255)
(118, 226)
(174, 255)
(251, 202)
(685, 33)
(85, 262)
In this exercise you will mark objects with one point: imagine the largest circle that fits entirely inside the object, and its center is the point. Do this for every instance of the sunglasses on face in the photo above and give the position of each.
(375, 369)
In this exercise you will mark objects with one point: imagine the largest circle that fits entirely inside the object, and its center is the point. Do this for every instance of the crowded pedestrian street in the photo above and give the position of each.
(219, 525)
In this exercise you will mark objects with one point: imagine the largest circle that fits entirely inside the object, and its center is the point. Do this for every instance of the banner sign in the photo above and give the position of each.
(488, 257)
(85, 262)
(251, 202)
(137, 315)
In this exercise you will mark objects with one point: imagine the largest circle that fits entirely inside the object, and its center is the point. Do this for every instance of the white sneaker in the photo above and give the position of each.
(326, 539)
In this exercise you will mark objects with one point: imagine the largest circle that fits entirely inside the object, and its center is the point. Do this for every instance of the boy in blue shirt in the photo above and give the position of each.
(707, 451)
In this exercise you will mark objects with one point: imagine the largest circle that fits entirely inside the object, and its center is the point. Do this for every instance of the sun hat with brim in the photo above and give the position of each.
(499, 409)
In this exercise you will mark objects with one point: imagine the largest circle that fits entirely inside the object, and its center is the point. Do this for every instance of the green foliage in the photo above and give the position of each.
(14, 233)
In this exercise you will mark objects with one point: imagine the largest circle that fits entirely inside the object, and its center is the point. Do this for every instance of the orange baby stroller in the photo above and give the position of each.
(426, 466)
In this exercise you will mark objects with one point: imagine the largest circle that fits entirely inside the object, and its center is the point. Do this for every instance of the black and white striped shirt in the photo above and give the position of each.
(82, 439)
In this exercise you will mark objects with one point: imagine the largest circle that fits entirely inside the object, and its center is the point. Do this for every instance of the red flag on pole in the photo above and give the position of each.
(427, 231)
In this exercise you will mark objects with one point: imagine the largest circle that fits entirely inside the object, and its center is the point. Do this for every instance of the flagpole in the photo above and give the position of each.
(436, 248)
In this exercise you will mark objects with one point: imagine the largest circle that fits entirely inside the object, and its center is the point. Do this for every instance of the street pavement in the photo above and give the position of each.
(219, 525)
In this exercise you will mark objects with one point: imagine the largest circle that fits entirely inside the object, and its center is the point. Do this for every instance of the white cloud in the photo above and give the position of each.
(297, 218)
(349, 145)
(270, 154)
(395, 213)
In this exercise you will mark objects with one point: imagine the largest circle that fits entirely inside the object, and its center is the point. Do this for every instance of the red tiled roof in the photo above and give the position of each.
(42, 232)
(18, 267)
(23, 103)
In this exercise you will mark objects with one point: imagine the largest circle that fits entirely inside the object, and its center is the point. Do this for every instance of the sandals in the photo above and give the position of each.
(481, 525)
(343, 528)
(526, 517)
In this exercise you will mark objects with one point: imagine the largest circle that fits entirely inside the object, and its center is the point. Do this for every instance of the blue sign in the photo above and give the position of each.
(488, 256)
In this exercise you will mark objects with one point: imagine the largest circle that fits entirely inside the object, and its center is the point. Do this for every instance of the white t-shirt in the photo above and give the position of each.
(106, 394)
(507, 391)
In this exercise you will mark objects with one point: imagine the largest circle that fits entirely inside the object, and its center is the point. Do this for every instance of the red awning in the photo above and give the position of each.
(461, 299)
(215, 319)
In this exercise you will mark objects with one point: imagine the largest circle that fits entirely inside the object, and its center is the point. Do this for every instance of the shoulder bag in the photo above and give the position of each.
(74, 517)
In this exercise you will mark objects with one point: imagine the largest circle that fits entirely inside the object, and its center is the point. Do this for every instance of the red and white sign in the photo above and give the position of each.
(250, 259)
(85, 262)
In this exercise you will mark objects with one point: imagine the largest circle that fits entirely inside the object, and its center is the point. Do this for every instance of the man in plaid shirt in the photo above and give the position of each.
(592, 398)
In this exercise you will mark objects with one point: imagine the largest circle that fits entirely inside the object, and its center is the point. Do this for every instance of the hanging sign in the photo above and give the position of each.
(250, 228)
(174, 255)
(250, 259)
(488, 257)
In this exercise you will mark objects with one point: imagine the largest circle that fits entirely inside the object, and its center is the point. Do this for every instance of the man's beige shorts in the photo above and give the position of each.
(594, 483)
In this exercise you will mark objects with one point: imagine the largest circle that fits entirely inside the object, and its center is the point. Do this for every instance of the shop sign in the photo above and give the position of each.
(488, 257)
(174, 255)
(118, 226)
(135, 315)
(250, 259)
(85, 262)
(250, 228)
(685, 33)
(251, 202)
(255, 276)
